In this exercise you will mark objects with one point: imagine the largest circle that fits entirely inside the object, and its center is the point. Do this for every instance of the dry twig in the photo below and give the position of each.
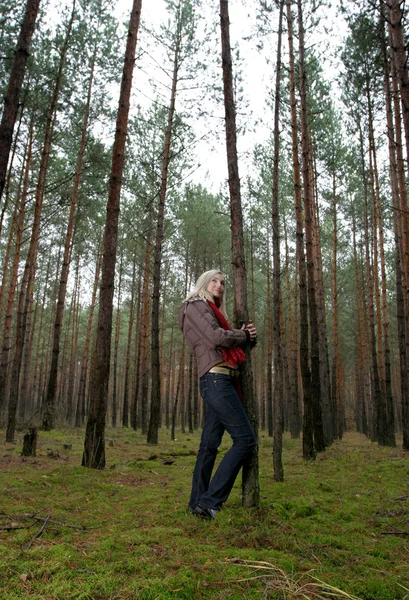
(39, 532)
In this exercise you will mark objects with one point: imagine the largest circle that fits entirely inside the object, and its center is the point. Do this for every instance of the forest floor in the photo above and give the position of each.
(336, 527)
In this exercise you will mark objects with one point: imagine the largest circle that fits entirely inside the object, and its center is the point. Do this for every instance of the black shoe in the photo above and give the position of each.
(204, 512)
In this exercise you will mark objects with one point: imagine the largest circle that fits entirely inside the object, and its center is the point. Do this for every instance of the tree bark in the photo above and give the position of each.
(319, 440)
(116, 350)
(67, 407)
(125, 404)
(278, 363)
(399, 55)
(30, 442)
(144, 339)
(81, 408)
(8, 316)
(308, 431)
(250, 483)
(49, 406)
(137, 356)
(27, 286)
(268, 410)
(11, 101)
(152, 437)
(94, 443)
(337, 400)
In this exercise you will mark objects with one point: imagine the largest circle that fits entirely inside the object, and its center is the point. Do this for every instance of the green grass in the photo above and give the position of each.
(332, 529)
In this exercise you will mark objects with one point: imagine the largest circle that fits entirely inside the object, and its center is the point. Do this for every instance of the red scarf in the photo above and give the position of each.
(233, 356)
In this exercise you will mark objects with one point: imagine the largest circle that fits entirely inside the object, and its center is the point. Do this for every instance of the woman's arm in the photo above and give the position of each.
(200, 318)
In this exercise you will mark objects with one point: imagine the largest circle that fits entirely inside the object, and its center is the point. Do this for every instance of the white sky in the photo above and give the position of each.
(213, 170)
(258, 76)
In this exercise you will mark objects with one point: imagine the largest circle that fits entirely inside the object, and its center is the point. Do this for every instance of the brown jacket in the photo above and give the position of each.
(204, 335)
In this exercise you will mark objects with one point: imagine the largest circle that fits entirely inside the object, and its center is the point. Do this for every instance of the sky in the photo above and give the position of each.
(258, 71)
(213, 169)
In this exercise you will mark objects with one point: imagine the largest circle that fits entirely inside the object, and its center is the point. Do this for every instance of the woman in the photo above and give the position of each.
(218, 351)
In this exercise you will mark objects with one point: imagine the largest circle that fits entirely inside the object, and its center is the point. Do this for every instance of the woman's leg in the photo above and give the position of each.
(221, 397)
(211, 437)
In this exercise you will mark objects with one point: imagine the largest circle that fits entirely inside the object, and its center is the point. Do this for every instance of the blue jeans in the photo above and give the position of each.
(224, 412)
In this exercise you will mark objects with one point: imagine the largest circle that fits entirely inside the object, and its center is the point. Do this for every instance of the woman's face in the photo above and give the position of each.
(216, 286)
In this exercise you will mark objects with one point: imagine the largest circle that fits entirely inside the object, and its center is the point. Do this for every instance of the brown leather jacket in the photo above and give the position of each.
(204, 334)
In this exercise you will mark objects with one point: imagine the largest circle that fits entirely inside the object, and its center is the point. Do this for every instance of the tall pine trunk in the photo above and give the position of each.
(319, 440)
(154, 421)
(8, 316)
(250, 485)
(81, 408)
(277, 337)
(116, 350)
(308, 430)
(11, 101)
(125, 404)
(337, 400)
(94, 443)
(27, 285)
(49, 406)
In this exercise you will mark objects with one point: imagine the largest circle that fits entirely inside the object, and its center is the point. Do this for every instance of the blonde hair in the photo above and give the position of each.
(201, 286)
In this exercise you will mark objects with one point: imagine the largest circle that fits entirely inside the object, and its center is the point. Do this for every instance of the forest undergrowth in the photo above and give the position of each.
(337, 527)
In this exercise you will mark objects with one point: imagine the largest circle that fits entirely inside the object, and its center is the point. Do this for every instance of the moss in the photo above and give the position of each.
(125, 532)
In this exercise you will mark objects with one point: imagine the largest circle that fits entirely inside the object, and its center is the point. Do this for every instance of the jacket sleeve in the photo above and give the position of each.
(201, 319)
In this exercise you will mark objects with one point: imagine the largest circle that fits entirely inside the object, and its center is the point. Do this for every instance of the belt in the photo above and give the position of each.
(225, 371)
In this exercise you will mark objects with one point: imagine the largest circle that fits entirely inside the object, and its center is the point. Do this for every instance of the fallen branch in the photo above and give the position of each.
(35, 517)
(39, 532)
(402, 497)
(49, 520)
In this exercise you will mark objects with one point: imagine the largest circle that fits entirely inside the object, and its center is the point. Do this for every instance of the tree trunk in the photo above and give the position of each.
(125, 404)
(250, 484)
(268, 411)
(398, 228)
(337, 400)
(308, 431)
(293, 392)
(11, 101)
(168, 387)
(144, 339)
(6, 190)
(402, 215)
(137, 357)
(14, 275)
(72, 374)
(278, 363)
(399, 55)
(116, 350)
(319, 440)
(40, 337)
(179, 391)
(14, 219)
(81, 408)
(152, 437)
(94, 443)
(49, 407)
(27, 285)
(30, 442)
(325, 380)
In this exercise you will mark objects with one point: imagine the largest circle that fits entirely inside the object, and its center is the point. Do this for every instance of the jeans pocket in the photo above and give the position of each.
(203, 389)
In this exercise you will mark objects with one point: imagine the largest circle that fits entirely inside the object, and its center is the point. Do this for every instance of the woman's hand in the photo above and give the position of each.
(251, 329)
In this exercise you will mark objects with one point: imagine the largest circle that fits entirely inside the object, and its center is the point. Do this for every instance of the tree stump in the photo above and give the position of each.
(30, 442)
